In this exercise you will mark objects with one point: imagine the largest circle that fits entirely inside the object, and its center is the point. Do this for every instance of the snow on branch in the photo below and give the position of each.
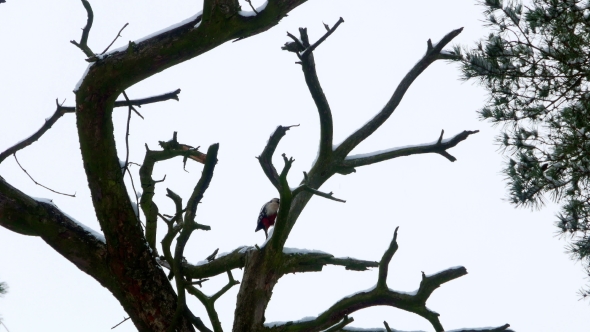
(302, 260)
(293, 261)
(380, 295)
(440, 146)
(81, 245)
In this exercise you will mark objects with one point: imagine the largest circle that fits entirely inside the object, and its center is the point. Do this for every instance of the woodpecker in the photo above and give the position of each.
(267, 215)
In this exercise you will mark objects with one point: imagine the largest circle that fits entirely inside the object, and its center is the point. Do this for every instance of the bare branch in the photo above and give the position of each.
(338, 327)
(283, 177)
(384, 263)
(171, 149)
(37, 183)
(388, 329)
(432, 54)
(199, 282)
(254, 9)
(209, 301)
(173, 230)
(265, 157)
(311, 48)
(83, 247)
(124, 320)
(83, 45)
(386, 326)
(315, 261)
(212, 256)
(487, 329)
(439, 147)
(114, 40)
(202, 185)
(148, 100)
(292, 263)
(189, 226)
(314, 86)
(196, 321)
(381, 295)
(234, 260)
(127, 135)
(305, 187)
(59, 112)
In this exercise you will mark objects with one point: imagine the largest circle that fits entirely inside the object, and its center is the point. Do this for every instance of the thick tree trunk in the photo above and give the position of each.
(260, 277)
(139, 283)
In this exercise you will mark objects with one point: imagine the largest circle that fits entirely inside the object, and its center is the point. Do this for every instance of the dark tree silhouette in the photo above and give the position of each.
(126, 259)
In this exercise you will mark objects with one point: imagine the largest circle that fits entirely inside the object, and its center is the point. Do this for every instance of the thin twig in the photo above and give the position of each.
(250, 3)
(338, 327)
(127, 136)
(118, 35)
(136, 197)
(59, 112)
(4, 326)
(149, 100)
(128, 102)
(83, 45)
(305, 187)
(131, 108)
(37, 183)
(321, 40)
(124, 320)
(200, 282)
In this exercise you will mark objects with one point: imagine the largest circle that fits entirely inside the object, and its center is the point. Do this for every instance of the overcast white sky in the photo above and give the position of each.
(449, 213)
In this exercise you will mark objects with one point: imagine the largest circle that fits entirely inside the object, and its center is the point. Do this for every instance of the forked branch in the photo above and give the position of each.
(83, 44)
(381, 295)
(188, 227)
(304, 52)
(61, 110)
(265, 158)
(440, 146)
(148, 184)
(433, 53)
(209, 301)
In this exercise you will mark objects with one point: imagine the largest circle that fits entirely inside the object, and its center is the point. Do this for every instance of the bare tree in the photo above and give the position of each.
(126, 260)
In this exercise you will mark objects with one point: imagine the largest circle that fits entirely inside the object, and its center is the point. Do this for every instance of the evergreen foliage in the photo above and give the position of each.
(535, 66)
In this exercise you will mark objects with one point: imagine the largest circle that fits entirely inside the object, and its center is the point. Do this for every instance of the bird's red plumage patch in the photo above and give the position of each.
(268, 221)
